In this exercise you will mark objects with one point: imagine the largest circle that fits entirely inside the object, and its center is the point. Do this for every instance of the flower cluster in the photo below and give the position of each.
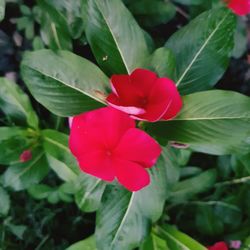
(106, 142)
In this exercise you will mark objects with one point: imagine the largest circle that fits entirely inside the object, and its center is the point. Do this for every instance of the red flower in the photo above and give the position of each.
(219, 246)
(145, 96)
(239, 7)
(107, 145)
(25, 156)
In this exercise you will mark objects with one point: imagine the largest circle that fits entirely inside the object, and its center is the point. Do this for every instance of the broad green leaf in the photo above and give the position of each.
(154, 243)
(215, 122)
(23, 175)
(4, 202)
(87, 244)
(71, 12)
(240, 39)
(13, 141)
(151, 13)
(120, 224)
(16, 104)
(230, 214)
(116, 40)
(2, 9)
(63, 82)
(186, 189)
(17, 230)
(89, 192)
(123, 218)
(202, 49)
(177, 240)
(207, 222)
(54, 29)
(61, 169)
(190, 171)
(163, 63)
(40, 191)
(58, 154)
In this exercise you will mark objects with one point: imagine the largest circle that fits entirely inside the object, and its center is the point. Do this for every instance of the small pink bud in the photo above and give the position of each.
(25, 156)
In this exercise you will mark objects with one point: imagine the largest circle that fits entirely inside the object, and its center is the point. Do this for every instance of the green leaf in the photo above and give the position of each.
(17, 230)
(63, 171)
(2, 9)
(183, 190)
(58, 154)
(151, 13)
(87, 244)
(116, 40)
(240, 39)
(154, 243)
(124, 218)
(4, 202)
(207, 222)
(16, 104)
(54, 27)
(177, 240)
(89, 192)
(23, 175)
(163, 63)
(215, 122)
(202, 49)
(63, 82)
(120, 224)
(13, 141)
(40, 191)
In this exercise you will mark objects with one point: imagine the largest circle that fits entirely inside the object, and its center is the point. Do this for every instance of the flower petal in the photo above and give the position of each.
(98, 129)
(143, 79)
(97, 164)
(124, 90)
(239, 7)
(162, 96)
(116, 103)
(131, 175)
(137, 146)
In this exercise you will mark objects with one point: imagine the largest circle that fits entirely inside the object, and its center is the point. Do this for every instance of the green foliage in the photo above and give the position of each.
(20, 176)
(116, 40)
(87, 244)
(214, 122)
(16, 104)
(67, 77)
(2, 9)
(206, 196)
(151, 13)
(202, 50)
(4, 202)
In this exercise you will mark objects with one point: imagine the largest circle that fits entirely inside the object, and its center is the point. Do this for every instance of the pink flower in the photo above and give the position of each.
(145, 96)
(219, 246)
(239, 7)
(107, 145)
(235, 244)
(25, 156)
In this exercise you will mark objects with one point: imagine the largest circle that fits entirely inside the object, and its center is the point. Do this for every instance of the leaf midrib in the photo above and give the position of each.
(114, 38)
(200, 50)
(123, 219)
(64, 83)
(87, 194)
(62, 146)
